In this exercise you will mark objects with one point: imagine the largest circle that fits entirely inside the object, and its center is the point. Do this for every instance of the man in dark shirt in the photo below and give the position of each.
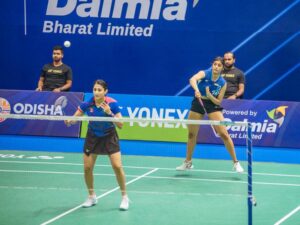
(56, 76)
(234, 77)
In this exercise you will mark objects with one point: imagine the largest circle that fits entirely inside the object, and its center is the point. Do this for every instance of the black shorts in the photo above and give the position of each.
(106, 145)
(210, 107)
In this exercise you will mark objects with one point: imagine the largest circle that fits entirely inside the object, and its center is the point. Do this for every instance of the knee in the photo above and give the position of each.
(192, 135)
(224, 136)
(88, 169)
(117, 167)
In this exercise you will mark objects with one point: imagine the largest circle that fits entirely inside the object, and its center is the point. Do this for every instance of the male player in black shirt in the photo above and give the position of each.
(56, 76)
(234, 77)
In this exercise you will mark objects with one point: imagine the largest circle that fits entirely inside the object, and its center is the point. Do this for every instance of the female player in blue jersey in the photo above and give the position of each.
(101, 139)
(209, 87)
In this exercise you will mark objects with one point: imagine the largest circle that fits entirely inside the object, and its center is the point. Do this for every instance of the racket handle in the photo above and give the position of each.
(201, 103)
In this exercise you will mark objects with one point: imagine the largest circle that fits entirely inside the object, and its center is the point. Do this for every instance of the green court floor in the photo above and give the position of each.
(48, 188)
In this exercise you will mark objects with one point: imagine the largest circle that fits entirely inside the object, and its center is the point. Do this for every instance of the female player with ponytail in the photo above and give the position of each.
(209, 87)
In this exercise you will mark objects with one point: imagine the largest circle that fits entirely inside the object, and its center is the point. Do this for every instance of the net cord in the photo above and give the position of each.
(114, 119)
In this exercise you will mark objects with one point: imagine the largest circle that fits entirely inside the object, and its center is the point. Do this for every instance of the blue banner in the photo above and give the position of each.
(38, 103)
(153, 47)
(274, 123)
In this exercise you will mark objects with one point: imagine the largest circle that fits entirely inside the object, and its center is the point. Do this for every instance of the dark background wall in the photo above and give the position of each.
(263, 34)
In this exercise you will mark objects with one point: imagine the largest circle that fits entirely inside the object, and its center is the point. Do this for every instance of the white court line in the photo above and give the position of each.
(60, 172)
(224, 181)
(100, 196)
(156, 177)
(129, 191)
(145, 167)
(287, 216)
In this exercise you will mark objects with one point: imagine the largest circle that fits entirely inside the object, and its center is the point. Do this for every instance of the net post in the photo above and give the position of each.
(249, 157)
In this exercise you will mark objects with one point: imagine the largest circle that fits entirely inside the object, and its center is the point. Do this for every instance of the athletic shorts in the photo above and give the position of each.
(208, 104)
(106, 145)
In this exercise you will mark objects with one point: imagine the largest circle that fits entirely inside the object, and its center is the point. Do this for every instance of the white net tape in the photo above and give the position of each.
(113, 119)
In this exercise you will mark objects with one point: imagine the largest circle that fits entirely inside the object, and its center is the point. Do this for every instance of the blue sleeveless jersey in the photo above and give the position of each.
(89, 108)
(214, 86)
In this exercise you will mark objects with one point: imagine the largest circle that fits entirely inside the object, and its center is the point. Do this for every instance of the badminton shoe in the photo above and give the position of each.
(186, 165)
(124, 203)
(237, 167)
(91, 201)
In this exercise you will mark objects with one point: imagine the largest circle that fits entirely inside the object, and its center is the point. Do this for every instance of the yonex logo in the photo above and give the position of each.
(4, 108)
(277, 115)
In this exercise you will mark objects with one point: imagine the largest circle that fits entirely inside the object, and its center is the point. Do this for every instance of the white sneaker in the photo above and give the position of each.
(186, 165)
(237, 167)
(124, 203)
(91, 201)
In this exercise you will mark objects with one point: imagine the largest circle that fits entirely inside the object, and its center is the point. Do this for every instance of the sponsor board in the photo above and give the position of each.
(273, 124)
(157, 107)
(38, 103)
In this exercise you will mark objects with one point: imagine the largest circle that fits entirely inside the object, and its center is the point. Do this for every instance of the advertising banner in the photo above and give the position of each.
(274, 124)
(156, 107)
(153, 47)
(38, 103)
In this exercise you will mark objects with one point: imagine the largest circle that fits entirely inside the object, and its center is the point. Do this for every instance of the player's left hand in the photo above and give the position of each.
(207, 91)
(232, 97)
(105, 108)
(68, 123)
(56, 90)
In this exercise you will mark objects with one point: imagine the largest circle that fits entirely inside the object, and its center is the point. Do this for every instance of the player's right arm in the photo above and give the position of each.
(71, 122)
(42, 78)
(241, 84)
(118, 124)
(40, 84)
(194, 82)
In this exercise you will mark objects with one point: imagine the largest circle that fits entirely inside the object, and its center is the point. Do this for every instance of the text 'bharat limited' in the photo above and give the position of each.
(100, 29)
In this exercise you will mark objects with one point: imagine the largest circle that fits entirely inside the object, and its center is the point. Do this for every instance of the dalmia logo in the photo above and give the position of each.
(278, 115)
(146, 9)
(109, 13)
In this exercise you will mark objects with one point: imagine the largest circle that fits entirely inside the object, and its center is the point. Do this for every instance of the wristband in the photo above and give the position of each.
(111, 114)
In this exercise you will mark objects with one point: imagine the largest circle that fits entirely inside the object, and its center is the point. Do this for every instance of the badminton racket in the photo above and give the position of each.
(213, 128)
